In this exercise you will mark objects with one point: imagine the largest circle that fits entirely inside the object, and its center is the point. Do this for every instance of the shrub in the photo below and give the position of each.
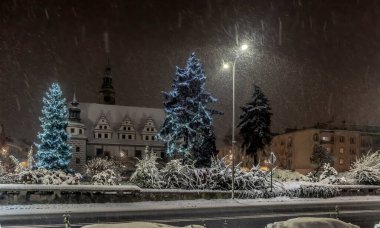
(43, 176)
(106, 177)
(175, 174)
(147, 174)
(98, 165)
(330, 176)
(366, 170)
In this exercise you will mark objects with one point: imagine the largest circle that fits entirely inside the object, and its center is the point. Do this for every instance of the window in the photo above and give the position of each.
(106, 136)
(341, 161)
(341, 139)
(123, 136)
(100, 127)
(138, 154)
(341, 150)
(352, 140)
(105, 127)
(325, 138)
(147, 137)
(129, 136)
(99, 136)
(352, 151)
(77, 149)
(315, 137)
(77, 160)
(72, 130)
(152, 137)
(99, 152)
(129, 128)
(80, 131)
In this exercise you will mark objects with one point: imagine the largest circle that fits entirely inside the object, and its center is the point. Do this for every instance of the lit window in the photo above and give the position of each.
(325, 138)
(341, 161)
(341, 150)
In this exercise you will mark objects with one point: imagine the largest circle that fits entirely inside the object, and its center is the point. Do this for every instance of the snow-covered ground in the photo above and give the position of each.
(169, 205)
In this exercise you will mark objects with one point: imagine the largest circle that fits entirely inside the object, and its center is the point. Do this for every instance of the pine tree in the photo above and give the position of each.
(53, 151)
(255, 122)
(187, 127)
(319, 157)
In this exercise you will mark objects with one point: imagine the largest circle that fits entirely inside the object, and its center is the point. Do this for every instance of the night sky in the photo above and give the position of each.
(315, 60)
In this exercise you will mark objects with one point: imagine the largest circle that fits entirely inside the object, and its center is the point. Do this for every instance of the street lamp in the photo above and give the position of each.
(242, 48)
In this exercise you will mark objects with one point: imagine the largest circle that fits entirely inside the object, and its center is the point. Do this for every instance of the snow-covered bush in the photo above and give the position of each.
(284, 175)
(43, 176)
(98, 165)
(175, 174)
(330, 176)
(147, 174)
(106, 177)
(366, 170)
(327, 175)
(2, 168)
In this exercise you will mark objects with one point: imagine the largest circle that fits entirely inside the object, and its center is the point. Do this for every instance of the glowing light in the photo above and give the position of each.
(226, 65)
(244, 47)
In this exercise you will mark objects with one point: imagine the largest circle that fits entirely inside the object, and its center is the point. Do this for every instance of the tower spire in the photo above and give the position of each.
(107, 93)
(74, 110)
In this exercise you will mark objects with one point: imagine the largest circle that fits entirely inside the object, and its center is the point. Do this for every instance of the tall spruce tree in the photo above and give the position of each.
(53, 151)
(188, 125)
(255, 122)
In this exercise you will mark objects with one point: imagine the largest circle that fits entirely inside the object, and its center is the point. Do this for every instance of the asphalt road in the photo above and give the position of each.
(365, 214)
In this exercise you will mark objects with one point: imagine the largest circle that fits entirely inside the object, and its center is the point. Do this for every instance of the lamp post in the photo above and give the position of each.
(226, 66)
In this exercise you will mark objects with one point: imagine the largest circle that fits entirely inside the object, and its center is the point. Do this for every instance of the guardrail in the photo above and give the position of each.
(29, 193)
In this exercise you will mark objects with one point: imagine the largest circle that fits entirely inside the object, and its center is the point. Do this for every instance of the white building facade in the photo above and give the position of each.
(107, 130)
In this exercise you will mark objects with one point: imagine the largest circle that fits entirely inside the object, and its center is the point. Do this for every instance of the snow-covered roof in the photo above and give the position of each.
(115, 114)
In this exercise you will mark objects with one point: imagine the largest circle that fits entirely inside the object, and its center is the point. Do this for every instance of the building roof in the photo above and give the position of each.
(343, 126)
(115, 114)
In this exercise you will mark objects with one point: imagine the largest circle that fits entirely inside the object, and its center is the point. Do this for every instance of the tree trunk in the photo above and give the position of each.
(255, 159)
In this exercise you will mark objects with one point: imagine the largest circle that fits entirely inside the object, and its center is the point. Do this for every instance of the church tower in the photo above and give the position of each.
(107, 93)
(77, 139)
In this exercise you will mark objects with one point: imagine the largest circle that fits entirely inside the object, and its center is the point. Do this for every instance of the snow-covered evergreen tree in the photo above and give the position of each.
(53, 150)
(319, 157)
(188, 123)
(255, 122)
